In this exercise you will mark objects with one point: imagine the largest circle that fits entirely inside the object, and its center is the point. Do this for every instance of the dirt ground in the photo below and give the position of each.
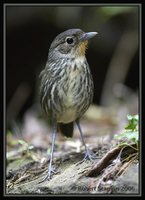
(110, 171)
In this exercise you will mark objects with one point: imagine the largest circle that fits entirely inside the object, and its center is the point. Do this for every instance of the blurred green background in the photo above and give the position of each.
(113, 55)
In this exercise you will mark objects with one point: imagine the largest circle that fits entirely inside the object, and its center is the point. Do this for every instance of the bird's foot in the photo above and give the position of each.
(48, 176)
(87, 155)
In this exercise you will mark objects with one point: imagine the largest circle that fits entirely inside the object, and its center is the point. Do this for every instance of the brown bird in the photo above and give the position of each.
(66, 89)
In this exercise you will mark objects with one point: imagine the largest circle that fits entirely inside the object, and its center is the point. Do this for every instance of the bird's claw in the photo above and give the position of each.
(48, 176)
(88, 156)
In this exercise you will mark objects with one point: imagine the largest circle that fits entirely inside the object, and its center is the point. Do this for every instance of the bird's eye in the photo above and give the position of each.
(69, 40)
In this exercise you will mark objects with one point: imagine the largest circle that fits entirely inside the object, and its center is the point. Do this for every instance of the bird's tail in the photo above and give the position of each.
(66, 129)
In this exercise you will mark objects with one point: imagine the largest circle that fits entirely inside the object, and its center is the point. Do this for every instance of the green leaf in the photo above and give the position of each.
(132, 136)
(133, 122)
(131, 130)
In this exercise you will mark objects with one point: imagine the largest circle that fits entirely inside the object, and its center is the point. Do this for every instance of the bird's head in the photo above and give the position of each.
(71, 43)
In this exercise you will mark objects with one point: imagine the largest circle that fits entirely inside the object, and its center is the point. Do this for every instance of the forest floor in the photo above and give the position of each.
(113, 170)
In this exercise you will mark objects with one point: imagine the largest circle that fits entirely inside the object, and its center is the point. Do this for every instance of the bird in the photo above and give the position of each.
(66, 86)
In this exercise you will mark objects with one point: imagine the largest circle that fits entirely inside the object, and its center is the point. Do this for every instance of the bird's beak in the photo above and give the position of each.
(87, 36)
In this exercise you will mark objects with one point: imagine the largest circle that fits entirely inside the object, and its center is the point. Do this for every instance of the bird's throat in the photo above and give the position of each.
(81, 49)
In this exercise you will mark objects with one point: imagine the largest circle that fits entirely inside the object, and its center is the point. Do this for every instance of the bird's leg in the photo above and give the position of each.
(87, 154)
(50, 168)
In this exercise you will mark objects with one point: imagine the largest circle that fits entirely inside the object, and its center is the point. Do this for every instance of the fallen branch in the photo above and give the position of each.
(107, 159)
